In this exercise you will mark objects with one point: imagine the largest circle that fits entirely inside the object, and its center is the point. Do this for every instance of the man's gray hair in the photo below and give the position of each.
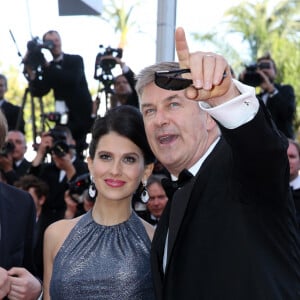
(146, 76)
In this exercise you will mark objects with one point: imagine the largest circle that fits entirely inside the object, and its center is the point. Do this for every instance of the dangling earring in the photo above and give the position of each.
(92, 189)
(144, 194)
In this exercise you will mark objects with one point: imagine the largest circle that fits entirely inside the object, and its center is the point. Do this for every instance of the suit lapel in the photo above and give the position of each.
(179, 203)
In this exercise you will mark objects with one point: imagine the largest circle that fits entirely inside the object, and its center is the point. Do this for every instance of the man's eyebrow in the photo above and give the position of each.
(169, 98)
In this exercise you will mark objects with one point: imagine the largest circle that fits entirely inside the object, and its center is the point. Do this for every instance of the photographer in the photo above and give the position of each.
(12, 112)
(13, 163)
(124, 84)
(278, 98)
(124, 87)
(65, 75)
(64, 167)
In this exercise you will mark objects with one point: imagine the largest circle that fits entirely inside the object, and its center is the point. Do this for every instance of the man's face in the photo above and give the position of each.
(121, 86)
(294, 161)
(157, 199)
(267, 68)
(176, 128)
(3, 88)
(18, 139)
(55, 38)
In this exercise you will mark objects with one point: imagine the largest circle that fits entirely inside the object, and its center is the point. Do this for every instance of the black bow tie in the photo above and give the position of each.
(171, 186)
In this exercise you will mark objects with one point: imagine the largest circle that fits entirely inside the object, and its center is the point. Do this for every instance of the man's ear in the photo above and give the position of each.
(148, 171)
(210, 122)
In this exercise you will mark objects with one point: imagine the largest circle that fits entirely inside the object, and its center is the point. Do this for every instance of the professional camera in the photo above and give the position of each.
(58, 118)
(7, 148)
(35, 57)
(251, 76)
(104, 66)
(60, 147)
(78, 186)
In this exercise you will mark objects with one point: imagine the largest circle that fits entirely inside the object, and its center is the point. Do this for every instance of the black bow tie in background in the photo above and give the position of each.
(171, 186)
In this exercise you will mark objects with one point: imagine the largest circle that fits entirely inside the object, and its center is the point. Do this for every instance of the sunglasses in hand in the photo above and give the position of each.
(172, 80)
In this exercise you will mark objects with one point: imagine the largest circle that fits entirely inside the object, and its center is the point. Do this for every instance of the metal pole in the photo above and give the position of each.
(166, 22)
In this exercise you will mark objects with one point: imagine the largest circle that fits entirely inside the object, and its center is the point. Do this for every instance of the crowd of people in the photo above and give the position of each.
(189, 189)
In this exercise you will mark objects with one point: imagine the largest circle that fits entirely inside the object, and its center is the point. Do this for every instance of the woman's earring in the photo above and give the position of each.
(92, 189)
(144, 194)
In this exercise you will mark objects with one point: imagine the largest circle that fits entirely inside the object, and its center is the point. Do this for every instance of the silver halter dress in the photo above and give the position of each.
(103, 262)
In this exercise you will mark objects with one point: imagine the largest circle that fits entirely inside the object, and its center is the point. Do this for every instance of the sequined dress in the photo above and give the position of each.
(103, 262)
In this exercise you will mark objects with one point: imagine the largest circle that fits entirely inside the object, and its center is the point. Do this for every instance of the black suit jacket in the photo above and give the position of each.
(18, 171)
(68, 81)
(12, 113)
(54, 207)
(232, 228)
(282, 107)
(17, 219)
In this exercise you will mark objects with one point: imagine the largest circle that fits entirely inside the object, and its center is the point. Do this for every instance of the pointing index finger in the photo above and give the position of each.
(182, 48)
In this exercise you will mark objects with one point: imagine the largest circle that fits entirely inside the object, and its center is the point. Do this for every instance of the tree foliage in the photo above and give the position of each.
(263, 26)
(120, 13)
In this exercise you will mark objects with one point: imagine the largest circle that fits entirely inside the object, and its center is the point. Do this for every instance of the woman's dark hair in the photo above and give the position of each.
(126, 121)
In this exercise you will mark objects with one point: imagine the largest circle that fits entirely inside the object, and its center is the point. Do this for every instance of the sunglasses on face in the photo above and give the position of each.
(172, 80)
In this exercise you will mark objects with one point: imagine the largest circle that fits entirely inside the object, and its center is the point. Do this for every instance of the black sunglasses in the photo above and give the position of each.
(172, 80)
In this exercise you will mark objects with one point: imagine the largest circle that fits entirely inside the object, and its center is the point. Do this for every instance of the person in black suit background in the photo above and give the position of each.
(63, 166)
(17, 219)
(13, 163)
(229, 231)
(293, 153)
(65, 75)
(10, 110)
(157, 199)
(124, 85)
(278, 98)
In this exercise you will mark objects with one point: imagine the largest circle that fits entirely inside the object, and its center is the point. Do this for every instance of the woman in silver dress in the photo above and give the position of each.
(105, 254)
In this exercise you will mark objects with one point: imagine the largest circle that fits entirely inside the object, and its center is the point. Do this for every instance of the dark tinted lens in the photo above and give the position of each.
(172, 80)
(173, 84)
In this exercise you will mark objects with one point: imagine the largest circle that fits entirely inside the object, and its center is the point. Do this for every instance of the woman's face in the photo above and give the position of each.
(117, 168)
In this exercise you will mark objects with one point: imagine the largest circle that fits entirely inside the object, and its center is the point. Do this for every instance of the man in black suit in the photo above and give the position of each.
(65, 75)
(13, 163)
(229, 232)
(63, 168)
(12, 112)
(278, 98)
(17, 219)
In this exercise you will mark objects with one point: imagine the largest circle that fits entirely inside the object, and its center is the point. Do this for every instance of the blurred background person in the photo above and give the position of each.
(123, 85)
(62, 166)
(17, 217)
(39, 191)
(293, 153)
(278, 98)
(12, 112)
(13, 163)
(65, 75)
(157, 199)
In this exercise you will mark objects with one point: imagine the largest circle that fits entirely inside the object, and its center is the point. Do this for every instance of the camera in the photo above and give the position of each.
(103, 67)
(251, 76)
(60, 147)
(58, 118)
(35, 57)
(7, 148)
(78, 186)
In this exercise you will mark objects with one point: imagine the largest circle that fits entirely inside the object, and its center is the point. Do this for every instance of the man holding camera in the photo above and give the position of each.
(278, 98)
(13, 163)
(65, 75)
(64, 167)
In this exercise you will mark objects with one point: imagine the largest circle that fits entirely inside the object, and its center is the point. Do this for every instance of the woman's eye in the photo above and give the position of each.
(129, 159)
(105, 156)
